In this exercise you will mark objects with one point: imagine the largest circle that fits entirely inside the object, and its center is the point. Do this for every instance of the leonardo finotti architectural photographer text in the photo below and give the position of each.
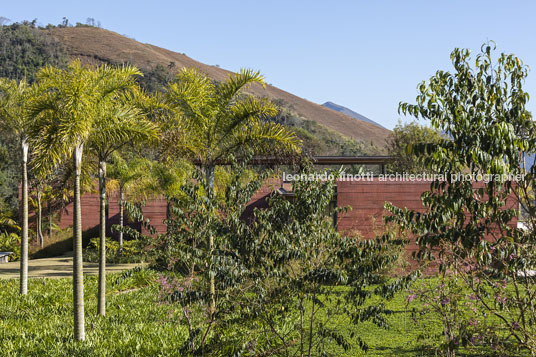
(287, 177)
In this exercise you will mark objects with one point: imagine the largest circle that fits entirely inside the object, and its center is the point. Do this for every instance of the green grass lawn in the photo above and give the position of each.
(137, 324)
(40, 324)
(402, 338)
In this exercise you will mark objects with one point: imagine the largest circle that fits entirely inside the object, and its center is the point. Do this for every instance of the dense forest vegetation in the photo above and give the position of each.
(24, 48)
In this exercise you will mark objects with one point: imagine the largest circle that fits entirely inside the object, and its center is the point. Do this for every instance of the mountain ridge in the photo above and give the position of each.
(95, 45)
(342, 109)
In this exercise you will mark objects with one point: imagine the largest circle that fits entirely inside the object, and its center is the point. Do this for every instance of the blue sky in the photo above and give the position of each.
(366, 55)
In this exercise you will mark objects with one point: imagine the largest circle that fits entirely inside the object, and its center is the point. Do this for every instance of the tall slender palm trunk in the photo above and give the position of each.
(24, 237)
(78, 269)
(121, 217)
(209, 171)
(40, 219)
(101, 304)
(49, 217)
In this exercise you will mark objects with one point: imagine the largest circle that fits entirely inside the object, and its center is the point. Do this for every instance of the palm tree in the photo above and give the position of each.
(138, 179)
(41, 192)
(215, 122)
(7, 223)
(65, 115)
(36, 204)
(119, 123)
(13, 99)
(123, 176)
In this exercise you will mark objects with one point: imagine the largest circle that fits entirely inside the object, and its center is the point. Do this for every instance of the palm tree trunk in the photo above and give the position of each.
(24, 237)
(209, 171)
(121, 217)
(78, 269)
(101, 305)
(49, 214)
(40, 219)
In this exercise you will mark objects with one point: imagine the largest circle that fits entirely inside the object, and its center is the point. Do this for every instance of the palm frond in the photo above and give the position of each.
(265, 138)
(192, 96)
(117, 125)
(237, 83)
(13, 98)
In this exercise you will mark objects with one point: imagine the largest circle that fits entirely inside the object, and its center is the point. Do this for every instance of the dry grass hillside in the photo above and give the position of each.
(95, 45)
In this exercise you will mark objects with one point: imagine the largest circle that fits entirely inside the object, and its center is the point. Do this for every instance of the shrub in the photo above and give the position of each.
(132, 251)
(280, 280)
(10, 242)
(467, 227)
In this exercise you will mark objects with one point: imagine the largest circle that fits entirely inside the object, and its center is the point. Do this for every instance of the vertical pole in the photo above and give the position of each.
(101, 303)
(24, 237)
(121, 217)
(78, 269)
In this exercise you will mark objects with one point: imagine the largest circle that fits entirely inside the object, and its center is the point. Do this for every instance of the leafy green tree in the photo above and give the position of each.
(118, 123)
(280, 277)
(400, 145)
(467, 226)
(65, 116)
(309, 261)
(13, 116)
(214, 122)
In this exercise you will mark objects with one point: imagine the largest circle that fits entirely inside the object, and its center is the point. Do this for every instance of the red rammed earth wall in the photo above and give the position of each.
(155, 210)
(366, 198)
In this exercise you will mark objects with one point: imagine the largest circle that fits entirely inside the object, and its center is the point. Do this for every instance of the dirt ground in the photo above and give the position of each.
(57, 267)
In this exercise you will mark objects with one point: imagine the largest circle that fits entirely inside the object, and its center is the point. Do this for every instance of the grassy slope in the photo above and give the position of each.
(94, 45)
(137, 324)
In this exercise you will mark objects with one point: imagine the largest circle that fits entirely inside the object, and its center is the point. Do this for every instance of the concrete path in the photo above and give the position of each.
(57, 267)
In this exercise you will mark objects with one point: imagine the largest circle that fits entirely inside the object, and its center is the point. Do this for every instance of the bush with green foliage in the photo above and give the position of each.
(156, 78)
(9, 235)
(10, 242)
(275, 276)
(132, 251)
(400, 145)
(467, 227)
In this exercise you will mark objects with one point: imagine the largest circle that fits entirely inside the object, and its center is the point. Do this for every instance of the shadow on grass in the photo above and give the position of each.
(65, 245)
(399, 351)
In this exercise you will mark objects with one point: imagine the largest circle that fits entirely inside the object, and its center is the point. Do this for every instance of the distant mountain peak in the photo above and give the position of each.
(350, 112)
